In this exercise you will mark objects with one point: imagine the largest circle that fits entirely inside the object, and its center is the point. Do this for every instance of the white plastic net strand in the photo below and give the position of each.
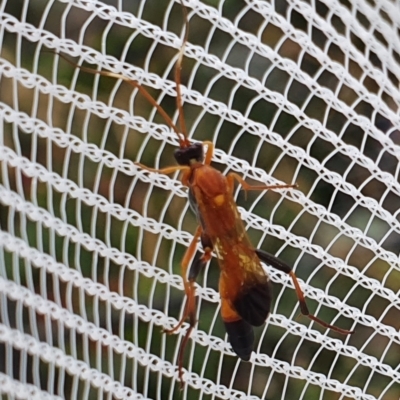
(91, 244)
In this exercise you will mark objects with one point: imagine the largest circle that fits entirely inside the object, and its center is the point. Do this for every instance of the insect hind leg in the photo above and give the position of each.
(282, 266)
(188, 282)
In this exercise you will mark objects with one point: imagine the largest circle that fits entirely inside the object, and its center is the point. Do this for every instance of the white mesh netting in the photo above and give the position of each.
(288, 91)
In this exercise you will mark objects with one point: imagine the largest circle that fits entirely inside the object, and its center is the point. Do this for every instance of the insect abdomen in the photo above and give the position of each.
(241, 337)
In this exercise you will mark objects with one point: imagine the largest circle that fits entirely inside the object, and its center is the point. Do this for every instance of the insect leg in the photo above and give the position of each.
(165, 171)
(281, 266)
(169, 170)
(190, 308)
(188, 282)
(210, 152)
(188, 285)
(232, 176)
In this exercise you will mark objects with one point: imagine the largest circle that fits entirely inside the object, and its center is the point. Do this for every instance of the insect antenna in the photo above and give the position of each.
(182, 136)
(178, 68)
(182, 133)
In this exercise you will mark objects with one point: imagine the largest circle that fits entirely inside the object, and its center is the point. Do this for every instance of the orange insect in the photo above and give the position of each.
(244, 286)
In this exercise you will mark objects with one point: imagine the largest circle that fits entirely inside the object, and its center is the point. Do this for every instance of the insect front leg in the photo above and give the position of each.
(281, 266)
(165, 171)
(210, 152)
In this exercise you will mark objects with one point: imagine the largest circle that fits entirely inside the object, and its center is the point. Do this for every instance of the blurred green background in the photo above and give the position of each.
(122, 187)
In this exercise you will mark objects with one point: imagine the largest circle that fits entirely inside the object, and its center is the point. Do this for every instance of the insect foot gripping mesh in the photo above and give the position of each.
(101, 255)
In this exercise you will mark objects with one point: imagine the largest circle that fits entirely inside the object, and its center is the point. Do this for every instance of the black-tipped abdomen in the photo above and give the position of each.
(241, 337)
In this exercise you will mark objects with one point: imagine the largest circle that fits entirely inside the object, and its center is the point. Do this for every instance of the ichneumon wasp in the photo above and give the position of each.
(244, 286)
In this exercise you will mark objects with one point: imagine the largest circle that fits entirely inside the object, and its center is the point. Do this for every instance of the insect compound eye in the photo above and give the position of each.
(184, 156)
